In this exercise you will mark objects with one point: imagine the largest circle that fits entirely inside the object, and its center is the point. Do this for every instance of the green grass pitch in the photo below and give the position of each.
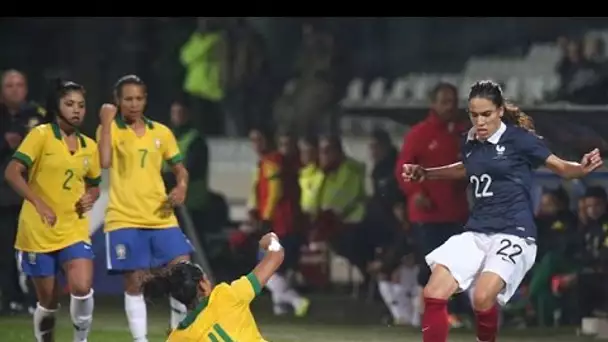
(110, 325)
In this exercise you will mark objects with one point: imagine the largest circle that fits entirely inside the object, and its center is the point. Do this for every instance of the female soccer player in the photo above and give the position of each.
(217, 313)
(141, 229)
(53, 233)
(498, 247)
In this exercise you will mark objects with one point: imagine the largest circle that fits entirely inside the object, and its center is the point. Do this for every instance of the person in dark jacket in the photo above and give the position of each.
(557, 243)
(556, 224)
(380, 221)
(587, 281)
(17, 117)
(437, 209)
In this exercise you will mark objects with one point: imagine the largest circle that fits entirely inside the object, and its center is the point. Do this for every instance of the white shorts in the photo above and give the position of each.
(468, 254)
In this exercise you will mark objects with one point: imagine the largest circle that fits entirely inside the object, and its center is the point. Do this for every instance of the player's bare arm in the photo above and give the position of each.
(177, 196)
(106, 116)
(416, 173)
(271, 261)
(570, 170)
(85, 203)
(14, 176)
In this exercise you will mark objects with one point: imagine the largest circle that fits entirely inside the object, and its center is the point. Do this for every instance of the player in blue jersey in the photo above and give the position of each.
(498, 246)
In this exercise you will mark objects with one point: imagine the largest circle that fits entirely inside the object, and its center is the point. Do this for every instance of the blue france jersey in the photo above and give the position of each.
(501, 173)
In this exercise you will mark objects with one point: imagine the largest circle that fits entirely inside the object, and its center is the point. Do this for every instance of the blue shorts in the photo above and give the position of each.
(130, 249)
(49, 264)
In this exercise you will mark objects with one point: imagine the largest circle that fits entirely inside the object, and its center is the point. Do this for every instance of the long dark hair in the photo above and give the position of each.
(180, 281)
(492, 91)
(58, 88)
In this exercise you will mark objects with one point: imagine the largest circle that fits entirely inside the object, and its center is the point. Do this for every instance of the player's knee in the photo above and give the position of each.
(80, 288)
(484, 298)
(50, 302)
(133, 284)
(441, 285)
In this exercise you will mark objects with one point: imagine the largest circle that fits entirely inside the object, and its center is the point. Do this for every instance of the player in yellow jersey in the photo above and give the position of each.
(217, 313)
(141, 229)
(53, 233)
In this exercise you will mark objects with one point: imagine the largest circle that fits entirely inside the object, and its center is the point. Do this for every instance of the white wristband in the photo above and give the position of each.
(274, 245)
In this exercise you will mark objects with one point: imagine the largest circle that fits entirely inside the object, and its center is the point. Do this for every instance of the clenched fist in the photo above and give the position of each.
(107, 113)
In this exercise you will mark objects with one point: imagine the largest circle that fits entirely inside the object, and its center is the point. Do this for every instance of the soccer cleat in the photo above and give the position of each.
(279, 310)
(301, 308)
(455, 321)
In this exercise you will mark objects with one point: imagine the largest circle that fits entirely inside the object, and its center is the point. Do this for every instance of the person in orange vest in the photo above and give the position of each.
(274, 206)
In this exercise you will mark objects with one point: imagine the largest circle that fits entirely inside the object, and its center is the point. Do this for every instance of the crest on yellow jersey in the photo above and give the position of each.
(85, 163)
(121, 252)
(157, 143)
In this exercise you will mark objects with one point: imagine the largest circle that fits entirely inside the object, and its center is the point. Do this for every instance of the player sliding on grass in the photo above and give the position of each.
(216, 313)
(498, 247)
(61, 186)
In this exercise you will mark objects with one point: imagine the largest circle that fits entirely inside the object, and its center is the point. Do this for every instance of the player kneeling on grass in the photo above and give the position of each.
(221, 312)
(53, 233)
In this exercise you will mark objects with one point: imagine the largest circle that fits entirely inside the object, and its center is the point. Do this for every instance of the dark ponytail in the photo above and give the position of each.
(180, 281)
(512, 115)
(58, 88)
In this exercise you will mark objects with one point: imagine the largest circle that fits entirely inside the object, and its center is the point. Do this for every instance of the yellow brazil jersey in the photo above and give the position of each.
(138, 198)
(224, 316)
(60, 179)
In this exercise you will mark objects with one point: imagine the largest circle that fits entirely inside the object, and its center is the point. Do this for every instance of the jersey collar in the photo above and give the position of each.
(191, 317)
(57, 134)
(120, 122)
(494, 138)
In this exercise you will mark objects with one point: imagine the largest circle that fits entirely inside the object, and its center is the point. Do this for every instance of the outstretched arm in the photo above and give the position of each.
(454, 171)
(570, 170)
(416, 173)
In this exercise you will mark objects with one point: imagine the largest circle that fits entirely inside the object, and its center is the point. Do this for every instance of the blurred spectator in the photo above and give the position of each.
(248, 79)
(397, 274)
(557, 241)
(589, 277)
(437, 209)
(274, 206)
(314, 256)
(288, 147)
(594, 50)
(341, 204)
(204, 56)
(194, 149)
(311, 177)
(17, 117)
(580, 79)
(557, 225)
(309, 102)
(380, 221)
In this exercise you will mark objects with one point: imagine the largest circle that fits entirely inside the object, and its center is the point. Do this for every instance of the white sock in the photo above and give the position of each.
(292, 297)
(402, 302)
(81, 310)
(281, 292)
(415, 312)
(277, 286)
(178, 312)
(44, 323)
(137, 316)
(386, 292)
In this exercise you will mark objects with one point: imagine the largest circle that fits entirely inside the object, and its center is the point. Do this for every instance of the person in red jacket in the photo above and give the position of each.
(274, 206)
(437, 209)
